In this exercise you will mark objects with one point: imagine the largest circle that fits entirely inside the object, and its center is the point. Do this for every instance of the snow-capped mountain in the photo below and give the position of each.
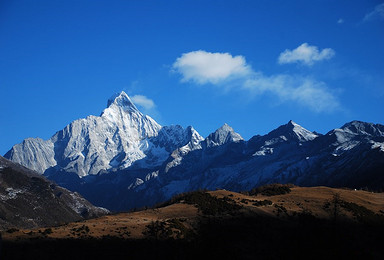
(124, 159)
(343, 157)
(119, 138)
(224, 134)
(292, 131)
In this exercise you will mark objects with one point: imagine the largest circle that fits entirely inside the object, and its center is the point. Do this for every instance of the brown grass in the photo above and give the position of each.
(309, 198)
(123, 225)
(132, 225)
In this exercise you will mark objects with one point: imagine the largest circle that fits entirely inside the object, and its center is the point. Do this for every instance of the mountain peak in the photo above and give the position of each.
(291, 130)
(121, 100)
(225, 128)
(359, 127)
(223, 135)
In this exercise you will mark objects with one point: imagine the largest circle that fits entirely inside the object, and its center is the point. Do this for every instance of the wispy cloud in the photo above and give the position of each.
(304, 91)
(143, 101)
(147, 106)
(377, 13)
(207, 67)
(340, 21)
(305, 54)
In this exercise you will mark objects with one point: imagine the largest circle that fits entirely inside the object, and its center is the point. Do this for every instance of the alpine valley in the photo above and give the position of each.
(123, 159)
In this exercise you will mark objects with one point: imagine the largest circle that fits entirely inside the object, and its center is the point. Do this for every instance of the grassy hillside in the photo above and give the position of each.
(294, 222)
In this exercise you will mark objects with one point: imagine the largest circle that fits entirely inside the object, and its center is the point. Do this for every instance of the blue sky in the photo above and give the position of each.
(252, 64)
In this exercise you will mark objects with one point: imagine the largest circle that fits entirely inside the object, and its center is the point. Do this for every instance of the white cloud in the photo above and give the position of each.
(147, 106)
(340, 21)
(307, 92)
(207, 67)
(304, 91)
(143, 101)
(305, 54)
(377, 13)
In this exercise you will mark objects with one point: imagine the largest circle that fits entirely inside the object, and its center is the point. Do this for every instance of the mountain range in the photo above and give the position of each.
(124, 159)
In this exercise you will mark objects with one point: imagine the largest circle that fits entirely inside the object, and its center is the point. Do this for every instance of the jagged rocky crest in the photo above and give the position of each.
(223, 135)
(293, 131)
(124, 159)
(119, 138)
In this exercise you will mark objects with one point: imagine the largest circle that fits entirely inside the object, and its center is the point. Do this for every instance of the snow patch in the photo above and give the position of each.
(151, 175)
(377, 145)
(346, 146)
(264, 151)
(302, 133)
(135, 184)
(12, 194)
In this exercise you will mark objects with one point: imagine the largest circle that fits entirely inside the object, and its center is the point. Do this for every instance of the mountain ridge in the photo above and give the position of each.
(128, 155)
(122, 134)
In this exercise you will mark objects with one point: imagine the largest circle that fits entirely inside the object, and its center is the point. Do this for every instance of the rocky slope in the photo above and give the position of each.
(28, 200)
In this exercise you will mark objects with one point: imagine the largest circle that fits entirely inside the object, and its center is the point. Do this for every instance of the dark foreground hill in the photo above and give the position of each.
(274, 222)
(28, 200)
